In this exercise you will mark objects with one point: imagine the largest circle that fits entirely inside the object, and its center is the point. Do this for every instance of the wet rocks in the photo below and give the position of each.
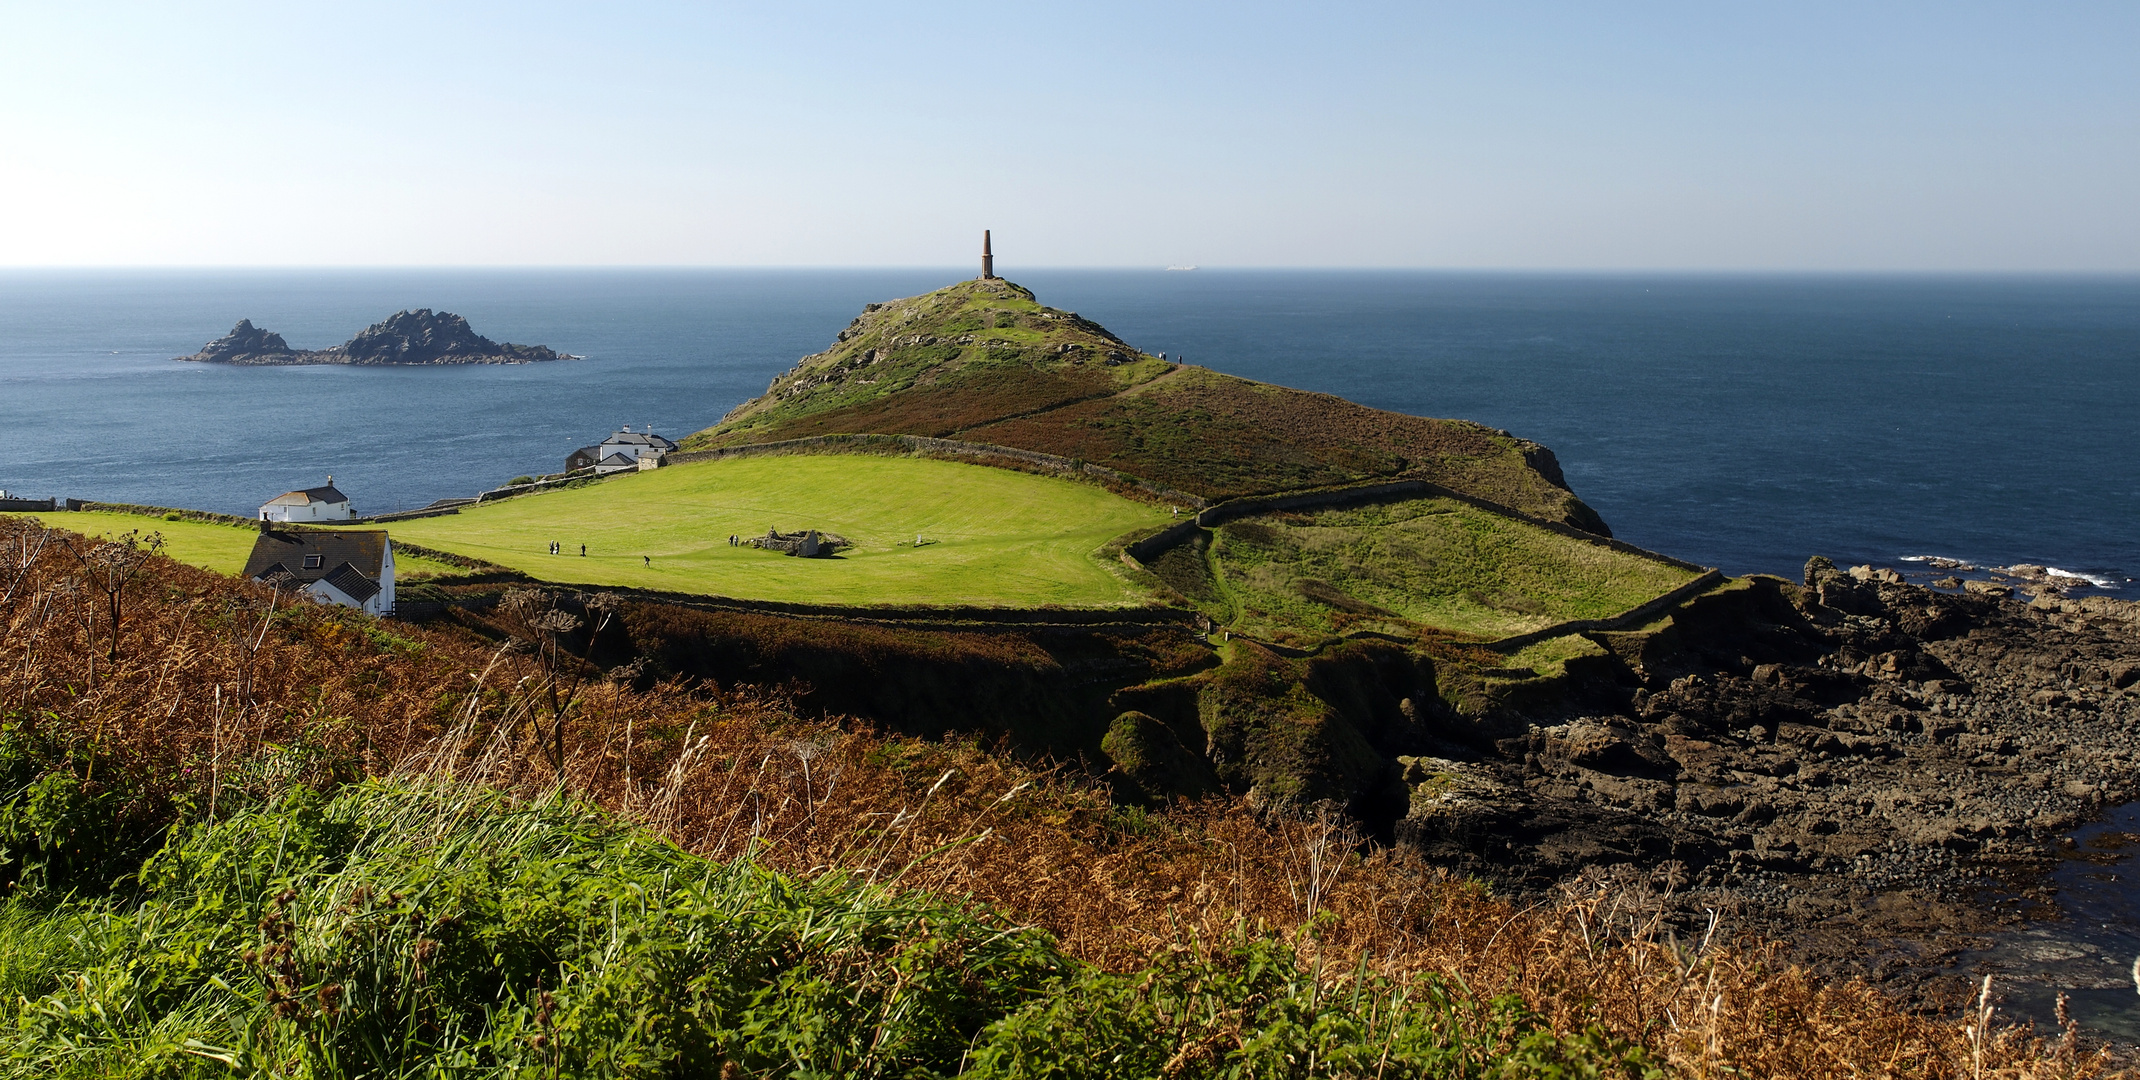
(1808, 753)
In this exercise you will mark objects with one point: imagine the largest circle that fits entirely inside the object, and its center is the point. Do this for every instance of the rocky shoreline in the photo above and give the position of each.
(419, 337)
(1878, 773)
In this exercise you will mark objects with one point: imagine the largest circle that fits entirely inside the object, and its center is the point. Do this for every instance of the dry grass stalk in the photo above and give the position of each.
(214, 680)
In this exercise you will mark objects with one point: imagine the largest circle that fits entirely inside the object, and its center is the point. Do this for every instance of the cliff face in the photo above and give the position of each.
(421, 336)
(984, 361)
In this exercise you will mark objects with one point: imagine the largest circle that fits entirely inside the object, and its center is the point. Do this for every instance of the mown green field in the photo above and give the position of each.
(1435, 562)
(207, 544)
(995, 537)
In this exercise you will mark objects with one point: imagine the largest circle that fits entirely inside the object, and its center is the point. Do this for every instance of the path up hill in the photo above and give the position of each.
(984, 361)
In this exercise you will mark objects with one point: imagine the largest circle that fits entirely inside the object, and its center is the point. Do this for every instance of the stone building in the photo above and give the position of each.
(309, 504)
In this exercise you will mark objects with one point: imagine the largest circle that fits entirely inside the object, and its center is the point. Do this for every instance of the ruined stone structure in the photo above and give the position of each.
(988, 259)
(808, 544)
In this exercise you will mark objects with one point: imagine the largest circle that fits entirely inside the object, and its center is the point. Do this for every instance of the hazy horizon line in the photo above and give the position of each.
(1599, 271)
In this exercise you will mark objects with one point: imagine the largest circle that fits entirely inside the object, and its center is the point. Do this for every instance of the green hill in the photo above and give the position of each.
(983, 361)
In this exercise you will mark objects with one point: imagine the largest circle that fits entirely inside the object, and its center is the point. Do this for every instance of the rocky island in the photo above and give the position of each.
(421, 336)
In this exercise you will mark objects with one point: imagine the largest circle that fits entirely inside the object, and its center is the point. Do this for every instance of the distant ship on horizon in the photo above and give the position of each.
(1190, 266)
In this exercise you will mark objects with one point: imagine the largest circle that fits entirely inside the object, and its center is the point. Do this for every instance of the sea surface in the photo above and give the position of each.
(2088, 947)
(1744, 422)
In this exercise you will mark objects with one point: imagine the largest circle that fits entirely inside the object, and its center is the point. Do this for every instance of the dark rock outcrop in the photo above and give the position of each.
(1844, 764)
(421, 336)
(247, 344)
(426, 337)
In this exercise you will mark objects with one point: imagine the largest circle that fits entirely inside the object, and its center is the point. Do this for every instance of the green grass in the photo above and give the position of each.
(1550, 656)
(399, 930)
(1435, 562)
(997, 538)
(207, 544)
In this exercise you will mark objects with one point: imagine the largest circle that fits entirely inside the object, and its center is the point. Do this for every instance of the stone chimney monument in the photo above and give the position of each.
(988, 259)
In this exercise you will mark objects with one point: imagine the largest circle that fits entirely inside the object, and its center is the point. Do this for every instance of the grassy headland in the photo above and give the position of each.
(993, 537)
(984, 361)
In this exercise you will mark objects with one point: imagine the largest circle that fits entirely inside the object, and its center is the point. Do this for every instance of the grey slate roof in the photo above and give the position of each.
(633, 438)
(361, 551)
(352, 583)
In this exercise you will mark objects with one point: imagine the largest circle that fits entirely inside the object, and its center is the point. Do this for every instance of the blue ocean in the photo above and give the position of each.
(1744, 422)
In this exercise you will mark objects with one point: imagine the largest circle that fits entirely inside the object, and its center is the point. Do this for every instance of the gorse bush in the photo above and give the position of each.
(407, 930)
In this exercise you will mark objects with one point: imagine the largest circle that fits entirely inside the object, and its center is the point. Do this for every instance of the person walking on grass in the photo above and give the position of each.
(583, 551)
(648, 560)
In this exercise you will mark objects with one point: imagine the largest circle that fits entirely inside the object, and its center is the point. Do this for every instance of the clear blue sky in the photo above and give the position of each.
(1725, 135)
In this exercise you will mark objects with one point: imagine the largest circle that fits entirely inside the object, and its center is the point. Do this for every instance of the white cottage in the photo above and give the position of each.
(350, 567)
(311, 504)
(624, 450)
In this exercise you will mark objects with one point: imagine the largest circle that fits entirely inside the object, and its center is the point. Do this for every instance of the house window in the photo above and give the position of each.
(312, 562)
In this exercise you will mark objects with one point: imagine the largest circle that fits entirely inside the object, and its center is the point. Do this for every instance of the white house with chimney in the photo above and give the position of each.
(627, 449)
(310, 504)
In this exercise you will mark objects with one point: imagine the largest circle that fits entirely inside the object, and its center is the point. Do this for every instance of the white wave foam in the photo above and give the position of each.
(2098, 582)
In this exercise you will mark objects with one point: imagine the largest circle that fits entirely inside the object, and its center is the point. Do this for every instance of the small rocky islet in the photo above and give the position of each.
(406, 338)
